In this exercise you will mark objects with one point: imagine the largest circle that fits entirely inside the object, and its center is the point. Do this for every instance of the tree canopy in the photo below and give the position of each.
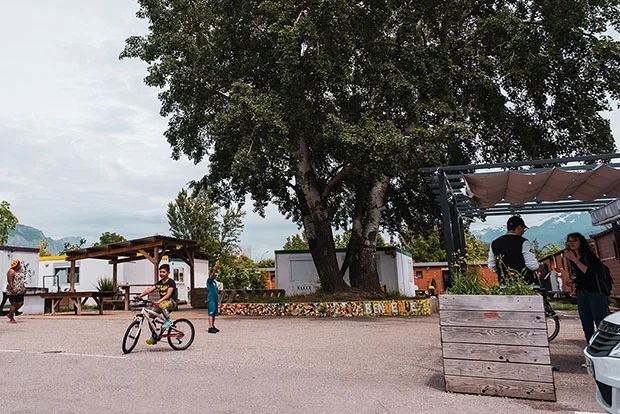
(8, 221)
(108, 237)
(196, 217)
(328, 109)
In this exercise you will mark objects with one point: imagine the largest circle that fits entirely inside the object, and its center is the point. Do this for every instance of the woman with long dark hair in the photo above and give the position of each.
(593, 305)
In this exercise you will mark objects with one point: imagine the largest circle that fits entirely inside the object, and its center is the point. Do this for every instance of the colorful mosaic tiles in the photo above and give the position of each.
(330, 309)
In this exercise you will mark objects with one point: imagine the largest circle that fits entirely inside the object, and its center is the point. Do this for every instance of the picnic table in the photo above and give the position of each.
(127, 287)
(78, 299)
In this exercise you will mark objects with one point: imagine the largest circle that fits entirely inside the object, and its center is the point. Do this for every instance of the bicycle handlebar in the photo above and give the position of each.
(140, 302)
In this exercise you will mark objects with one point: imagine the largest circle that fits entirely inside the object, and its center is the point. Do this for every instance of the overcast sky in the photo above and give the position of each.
(81, 138)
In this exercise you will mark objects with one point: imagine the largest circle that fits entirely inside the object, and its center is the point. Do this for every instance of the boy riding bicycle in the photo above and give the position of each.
(168, 297)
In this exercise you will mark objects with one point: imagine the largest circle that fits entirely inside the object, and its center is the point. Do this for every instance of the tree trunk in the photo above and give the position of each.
(353, 248)
(363, 265)
(317, 225)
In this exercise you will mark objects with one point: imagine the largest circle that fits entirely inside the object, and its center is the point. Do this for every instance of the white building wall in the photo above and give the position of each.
(296, 273)
(138, 272)
(30, 263)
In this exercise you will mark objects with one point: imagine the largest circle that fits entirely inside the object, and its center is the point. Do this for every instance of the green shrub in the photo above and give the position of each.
(105, 284)
(467, 281)
(242, 276)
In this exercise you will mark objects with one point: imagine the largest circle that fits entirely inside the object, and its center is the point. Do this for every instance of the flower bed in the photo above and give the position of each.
(330, 309)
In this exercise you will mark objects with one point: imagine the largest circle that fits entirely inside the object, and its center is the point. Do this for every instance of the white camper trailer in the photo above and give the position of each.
(296, 273)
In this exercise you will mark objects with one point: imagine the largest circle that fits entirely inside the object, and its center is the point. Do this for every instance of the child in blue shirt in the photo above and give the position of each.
(212, 298)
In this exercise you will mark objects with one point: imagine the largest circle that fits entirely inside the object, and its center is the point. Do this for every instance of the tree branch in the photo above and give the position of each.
(336, 180)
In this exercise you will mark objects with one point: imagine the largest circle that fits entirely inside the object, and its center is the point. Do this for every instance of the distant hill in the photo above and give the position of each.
(26, 236)
(553, 230)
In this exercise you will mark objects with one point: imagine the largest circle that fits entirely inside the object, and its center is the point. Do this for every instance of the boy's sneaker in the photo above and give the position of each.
(213, 330)
(167, 324)
(151, 341)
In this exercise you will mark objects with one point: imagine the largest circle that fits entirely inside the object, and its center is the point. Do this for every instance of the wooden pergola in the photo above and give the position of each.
(152, 248)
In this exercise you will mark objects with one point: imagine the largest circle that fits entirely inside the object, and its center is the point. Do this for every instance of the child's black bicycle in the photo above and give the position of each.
(180, 334)
(553, 321)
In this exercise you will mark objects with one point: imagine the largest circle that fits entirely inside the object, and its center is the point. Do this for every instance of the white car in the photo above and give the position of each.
(603, 362)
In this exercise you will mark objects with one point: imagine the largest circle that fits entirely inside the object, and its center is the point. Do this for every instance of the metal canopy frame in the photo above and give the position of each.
(448, 182)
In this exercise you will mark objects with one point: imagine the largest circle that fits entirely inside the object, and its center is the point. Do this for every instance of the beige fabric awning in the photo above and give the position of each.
(556, 184)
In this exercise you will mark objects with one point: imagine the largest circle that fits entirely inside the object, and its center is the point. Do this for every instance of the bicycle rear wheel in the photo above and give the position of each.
(180, 334)
(132, 334)
(553, 325)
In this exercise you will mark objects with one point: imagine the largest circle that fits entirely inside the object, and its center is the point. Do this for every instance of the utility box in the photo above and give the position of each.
(297, 275)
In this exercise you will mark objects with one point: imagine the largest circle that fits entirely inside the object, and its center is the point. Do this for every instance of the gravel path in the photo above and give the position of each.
(69, 364)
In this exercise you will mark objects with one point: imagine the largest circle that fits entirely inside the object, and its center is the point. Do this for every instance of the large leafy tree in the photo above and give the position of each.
(108, 237)
(328, 108)
(196, 217)
(8, 221)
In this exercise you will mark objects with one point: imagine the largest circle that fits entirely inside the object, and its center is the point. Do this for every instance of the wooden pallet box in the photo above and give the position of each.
(496, 345)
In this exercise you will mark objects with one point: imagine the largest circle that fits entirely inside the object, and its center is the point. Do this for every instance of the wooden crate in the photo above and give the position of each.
(496, 345)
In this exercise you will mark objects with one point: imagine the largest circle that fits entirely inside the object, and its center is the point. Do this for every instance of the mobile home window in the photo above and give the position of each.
(64, 275)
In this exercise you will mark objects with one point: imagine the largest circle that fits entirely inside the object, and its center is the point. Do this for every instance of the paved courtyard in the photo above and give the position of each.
(71, 364)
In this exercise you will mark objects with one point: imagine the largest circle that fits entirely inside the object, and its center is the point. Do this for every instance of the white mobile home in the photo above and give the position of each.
(55, 273)
(296, 273)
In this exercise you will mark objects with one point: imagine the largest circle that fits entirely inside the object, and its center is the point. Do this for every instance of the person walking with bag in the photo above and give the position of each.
(592, 302)
(15, 288)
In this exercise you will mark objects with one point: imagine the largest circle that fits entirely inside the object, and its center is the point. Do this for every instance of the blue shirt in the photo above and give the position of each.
(211, 290)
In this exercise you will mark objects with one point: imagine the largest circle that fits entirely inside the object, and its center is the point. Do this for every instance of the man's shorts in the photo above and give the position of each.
(16, 298)
(212, 307)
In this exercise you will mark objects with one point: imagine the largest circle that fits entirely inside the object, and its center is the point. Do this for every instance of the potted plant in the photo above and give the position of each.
(494, 340)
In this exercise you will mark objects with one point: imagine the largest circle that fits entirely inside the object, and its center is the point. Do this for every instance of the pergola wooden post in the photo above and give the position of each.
(72, 277)
(114, 276)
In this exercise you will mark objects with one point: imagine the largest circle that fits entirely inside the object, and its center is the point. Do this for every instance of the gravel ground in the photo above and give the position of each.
(74, 364)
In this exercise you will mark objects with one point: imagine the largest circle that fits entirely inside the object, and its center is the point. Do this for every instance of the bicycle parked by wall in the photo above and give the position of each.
(180, 335)
(553, 321)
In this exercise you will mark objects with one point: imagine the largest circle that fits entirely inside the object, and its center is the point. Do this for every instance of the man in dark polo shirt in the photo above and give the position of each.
(513, 252)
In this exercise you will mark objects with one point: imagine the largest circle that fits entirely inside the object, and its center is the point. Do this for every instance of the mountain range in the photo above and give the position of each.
(553, 230)
(26, 236)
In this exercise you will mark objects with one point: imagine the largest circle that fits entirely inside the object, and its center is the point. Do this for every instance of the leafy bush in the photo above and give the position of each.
(242, 273)
(468, 281)
(105, 284)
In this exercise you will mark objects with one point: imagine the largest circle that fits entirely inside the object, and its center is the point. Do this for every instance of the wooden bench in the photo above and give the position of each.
(77, 299)
(117, 301)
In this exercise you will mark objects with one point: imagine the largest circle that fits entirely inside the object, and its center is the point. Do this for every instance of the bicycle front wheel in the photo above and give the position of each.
(132, 334)
(181, 334)
(553, 326)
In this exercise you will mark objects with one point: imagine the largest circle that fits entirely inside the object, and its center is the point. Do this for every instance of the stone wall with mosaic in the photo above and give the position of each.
(330, 309)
